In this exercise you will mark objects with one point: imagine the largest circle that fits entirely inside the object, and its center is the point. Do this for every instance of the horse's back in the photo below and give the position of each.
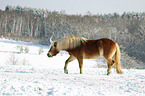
(98, 48)
(107, 41)
(92, 49)
(109, 46)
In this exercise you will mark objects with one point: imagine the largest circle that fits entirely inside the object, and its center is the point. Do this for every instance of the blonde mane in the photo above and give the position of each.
(70, 42)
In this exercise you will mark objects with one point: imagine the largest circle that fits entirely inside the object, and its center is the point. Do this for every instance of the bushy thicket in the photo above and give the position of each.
(127, 29)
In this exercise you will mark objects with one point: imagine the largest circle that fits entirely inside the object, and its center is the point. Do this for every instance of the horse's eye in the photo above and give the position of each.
(55, 44)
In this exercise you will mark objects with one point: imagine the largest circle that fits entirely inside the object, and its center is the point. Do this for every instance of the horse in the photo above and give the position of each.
(81, 48)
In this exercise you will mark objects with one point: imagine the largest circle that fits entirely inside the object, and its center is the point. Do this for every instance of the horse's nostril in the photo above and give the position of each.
(49, 55)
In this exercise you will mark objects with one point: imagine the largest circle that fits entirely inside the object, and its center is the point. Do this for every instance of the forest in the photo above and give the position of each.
(38, 25)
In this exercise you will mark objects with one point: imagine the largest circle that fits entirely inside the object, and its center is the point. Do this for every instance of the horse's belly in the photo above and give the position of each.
(93, 53)
(92, 56)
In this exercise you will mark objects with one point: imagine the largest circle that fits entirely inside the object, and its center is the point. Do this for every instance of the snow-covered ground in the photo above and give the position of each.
(37, 75)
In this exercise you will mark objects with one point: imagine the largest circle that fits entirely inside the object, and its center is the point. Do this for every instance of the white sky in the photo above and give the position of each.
(81, 6)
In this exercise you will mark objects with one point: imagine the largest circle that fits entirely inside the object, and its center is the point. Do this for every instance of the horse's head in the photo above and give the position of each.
(53, 50)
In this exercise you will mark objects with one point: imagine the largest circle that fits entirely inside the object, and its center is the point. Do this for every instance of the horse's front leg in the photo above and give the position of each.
(71, 58)
(80, 60)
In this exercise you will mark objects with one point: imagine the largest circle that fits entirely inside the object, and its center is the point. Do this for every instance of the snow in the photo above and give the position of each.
(38, 75)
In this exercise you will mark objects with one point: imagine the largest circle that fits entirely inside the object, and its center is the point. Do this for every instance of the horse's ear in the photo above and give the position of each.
(51, 40)
(55, 43)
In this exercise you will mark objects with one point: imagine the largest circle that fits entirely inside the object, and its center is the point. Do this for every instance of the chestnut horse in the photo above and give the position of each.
(80, 48)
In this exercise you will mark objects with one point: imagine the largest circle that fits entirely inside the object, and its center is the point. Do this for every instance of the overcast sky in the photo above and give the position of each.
(81, 6)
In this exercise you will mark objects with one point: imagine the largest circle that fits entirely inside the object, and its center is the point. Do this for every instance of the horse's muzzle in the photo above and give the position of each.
(49, 55)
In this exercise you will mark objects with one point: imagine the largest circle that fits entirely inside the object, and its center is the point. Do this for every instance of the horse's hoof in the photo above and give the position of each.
(66, 71)
(108, 73)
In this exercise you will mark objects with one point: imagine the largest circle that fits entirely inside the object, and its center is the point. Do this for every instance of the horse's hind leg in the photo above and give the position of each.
(71, 58)
(110, 63)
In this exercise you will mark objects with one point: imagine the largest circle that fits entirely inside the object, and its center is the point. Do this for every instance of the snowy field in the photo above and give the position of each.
(31, 74)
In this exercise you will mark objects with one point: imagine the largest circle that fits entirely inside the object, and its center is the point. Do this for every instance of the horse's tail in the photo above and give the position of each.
(117, 60)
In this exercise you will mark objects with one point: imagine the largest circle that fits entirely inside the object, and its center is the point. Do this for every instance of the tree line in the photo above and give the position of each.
(127, 29)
